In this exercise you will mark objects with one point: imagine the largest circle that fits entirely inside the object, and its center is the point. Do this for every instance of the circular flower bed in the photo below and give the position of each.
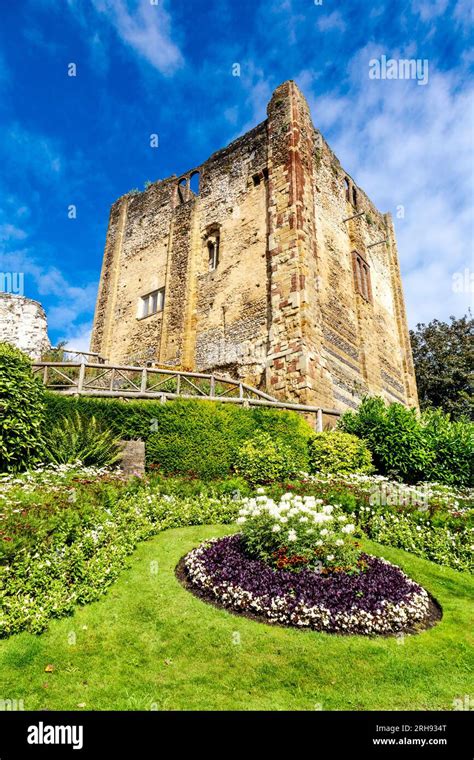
(378, 599)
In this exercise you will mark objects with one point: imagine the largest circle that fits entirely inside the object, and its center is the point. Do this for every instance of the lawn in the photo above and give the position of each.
(150, 644)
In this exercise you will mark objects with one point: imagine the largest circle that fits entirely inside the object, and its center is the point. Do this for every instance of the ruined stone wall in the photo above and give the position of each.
(23, 324)
(281, 308)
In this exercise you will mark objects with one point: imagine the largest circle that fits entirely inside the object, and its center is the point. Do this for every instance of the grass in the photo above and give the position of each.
(150, 644)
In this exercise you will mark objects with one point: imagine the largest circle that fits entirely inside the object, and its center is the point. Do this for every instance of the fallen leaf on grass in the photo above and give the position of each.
(49, 669)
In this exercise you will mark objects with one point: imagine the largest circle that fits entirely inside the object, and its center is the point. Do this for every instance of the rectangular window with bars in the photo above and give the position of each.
(152, 303)
(361, 271)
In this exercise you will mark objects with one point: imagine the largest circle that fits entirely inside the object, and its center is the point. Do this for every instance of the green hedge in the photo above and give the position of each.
(187, 436)
(21, 410)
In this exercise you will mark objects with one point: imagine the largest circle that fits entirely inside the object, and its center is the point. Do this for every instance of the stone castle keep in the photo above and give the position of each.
(266, 263)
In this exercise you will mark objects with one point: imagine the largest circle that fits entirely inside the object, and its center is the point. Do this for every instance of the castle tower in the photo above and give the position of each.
(276, 269)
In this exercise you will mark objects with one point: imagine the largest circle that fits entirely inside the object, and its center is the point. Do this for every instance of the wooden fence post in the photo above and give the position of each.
(80, 382)
(319, 421)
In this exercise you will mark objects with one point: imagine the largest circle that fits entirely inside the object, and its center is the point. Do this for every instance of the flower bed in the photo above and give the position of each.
(380, 599)
(431, 520)
(70, 532)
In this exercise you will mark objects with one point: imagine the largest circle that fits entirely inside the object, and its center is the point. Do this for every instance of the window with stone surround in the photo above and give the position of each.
(361, 271)
(212, 246)
(152, 303)
(213, 253)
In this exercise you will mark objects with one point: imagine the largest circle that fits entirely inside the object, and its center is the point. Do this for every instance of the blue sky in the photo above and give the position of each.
(165, 67)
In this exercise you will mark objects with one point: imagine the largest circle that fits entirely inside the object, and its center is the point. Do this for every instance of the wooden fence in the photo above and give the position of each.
(81, 378)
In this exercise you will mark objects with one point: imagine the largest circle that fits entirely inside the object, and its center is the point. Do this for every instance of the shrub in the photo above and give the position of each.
(264, 459)
(339, 452)
(452, 446)
(21, 410)
(414, 447)
(298, 533)
(394, 436)
(81, 439)
(200, 438)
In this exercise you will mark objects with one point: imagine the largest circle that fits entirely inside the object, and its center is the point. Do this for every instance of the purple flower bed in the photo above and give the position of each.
(379, 599)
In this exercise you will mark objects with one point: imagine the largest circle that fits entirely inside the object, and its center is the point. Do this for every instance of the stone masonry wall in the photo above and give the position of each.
(281, 309)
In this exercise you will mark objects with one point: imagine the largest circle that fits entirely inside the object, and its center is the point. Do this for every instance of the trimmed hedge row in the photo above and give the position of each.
(187, 436)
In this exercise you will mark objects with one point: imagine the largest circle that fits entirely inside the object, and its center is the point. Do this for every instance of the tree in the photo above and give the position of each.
(443, 354)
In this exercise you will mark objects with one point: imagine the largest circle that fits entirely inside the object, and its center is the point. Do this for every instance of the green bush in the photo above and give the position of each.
(452, 446)
(394, 436)
(81, 439)
(21, 410)
(339, 452)
(265, 459)
(198, 438)
(414, 447)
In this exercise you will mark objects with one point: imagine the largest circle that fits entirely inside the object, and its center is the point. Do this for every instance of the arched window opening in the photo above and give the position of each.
(194, 183)
(347, 188)
(183, 190)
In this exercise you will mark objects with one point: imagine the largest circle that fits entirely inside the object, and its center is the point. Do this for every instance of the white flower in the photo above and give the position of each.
(324, 532)
(241, 520)
(330, 557)
(339, 542)
(283, 519)
(292, 535)
(276, 528)
(318, 543)
(350, 528)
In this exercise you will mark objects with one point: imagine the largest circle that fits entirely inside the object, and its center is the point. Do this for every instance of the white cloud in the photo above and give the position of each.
(78, 338)
(11, 232)
(333, 21)
(69, 301)
(146, 29)
(410, 145)
(428, 9)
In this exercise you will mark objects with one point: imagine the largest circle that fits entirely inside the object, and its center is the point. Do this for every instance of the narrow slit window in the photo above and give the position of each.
(213, 253)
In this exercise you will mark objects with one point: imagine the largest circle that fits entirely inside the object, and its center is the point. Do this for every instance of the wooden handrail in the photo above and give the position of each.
(80, 387)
